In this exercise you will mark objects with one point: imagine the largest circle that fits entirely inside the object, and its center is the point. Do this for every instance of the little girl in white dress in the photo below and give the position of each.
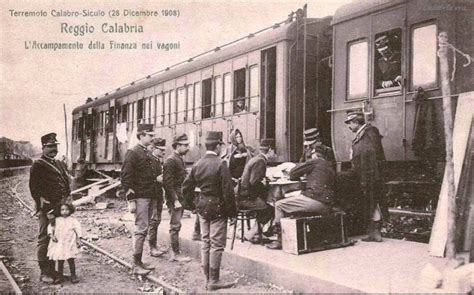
(65, 240)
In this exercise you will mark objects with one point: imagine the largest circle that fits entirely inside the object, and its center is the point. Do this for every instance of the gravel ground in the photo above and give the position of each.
(97, 273)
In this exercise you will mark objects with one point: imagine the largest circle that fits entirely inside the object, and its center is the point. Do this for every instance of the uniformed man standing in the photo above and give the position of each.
(367, 156)
(139, 184)
(49, 185)
(174, 173)
(157, 148)
(215, 204)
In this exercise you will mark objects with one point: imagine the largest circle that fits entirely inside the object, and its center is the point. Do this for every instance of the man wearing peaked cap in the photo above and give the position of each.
(318, 195)
(311, 139)
(367, 157)
(49, 185)
(174, 173)
(253, 190)
(139, 183)
(157, 149)
(215, 204)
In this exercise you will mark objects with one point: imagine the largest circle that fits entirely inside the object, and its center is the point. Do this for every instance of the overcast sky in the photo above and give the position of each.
(36, 83)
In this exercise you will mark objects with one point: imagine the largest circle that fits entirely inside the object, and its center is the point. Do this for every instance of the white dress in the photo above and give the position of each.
(67, 231)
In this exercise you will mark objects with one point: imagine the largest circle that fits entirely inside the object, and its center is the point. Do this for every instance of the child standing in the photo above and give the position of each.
(65, 237)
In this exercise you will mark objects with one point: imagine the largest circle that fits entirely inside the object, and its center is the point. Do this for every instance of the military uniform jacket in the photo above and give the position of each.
(212, 176)
(49, 180)
(320, 179)
(251, 185)
(174, 173)
(138, 174)
(157, 171)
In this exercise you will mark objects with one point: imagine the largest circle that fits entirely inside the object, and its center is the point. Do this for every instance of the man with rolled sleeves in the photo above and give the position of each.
(174, 173)
(215, 204)
(367, 158)
(157, 148)
(139, 184)
(318, 195)
(49, 185)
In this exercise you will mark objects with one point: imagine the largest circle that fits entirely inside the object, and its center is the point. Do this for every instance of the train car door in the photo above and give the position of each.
(267, 92)
(388, 70)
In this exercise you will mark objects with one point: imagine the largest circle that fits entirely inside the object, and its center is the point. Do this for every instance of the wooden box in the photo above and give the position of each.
(316, 233)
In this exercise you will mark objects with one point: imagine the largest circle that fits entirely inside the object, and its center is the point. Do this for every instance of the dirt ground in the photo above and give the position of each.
(97, 273)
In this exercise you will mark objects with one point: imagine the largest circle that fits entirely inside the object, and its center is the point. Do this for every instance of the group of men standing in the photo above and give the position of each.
(148, 180)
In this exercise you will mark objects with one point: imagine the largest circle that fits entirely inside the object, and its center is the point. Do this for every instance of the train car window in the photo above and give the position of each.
(140, 109)
(206, 98)
(106, 121)
(228, 94)
(181, 104)
(89, 125)
(129, 112)
(254, 89)
(197, 101)
(358, 52)
(218, 96)
(124, 113)
(146, 109)
(424, 58)
(134, 107)
(387, 61)
(166, 108)
(159, 109)
(190, 103)
(172, 107)
(153, 109)
(240, 104)
(80, 128)
(111, 119)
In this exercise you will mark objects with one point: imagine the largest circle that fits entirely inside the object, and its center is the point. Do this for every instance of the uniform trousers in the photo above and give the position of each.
(155, 220)
(175, 226)
(299, 203)
(43, 239)
(214, 237)
(143, 214)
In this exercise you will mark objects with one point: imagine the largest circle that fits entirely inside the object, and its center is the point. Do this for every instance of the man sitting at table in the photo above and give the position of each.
(318, 195)
(252, 192)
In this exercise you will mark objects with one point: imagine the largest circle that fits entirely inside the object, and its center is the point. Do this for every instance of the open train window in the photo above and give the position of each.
(240, 103)
(387, 61)
(80, 128)
(218, 96)
(111, 120)
(197, 101)
(206, 98)
(227, 94)
(124, 113)
(159, 109)
(140, 109)
(181, 104)
(152, 110)
(166, 108)
(358, 65)
(423, 58)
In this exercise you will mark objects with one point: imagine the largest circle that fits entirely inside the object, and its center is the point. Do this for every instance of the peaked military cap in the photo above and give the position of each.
(145, 128)
(353, 115)
(310, 136)
(181, 139)
(214, 136)
(159, 143)
(323, 150)
(381, 42)
(49, 139)
(267, 143)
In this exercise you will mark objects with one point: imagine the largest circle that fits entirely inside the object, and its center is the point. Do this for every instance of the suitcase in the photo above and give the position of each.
(315, 233)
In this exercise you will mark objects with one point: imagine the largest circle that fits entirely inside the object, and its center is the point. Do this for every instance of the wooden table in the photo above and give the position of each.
(279, 188)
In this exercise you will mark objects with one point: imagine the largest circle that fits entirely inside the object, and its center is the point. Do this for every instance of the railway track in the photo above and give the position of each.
(12, 190)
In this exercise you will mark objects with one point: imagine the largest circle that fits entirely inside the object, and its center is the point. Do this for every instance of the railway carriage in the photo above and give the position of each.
(269, 84)
(412, 28)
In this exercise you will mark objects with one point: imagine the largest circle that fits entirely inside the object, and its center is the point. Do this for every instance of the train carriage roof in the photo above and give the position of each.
(361, 7)
(278, 34)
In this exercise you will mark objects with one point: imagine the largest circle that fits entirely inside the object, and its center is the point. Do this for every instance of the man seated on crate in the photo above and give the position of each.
(318, 195)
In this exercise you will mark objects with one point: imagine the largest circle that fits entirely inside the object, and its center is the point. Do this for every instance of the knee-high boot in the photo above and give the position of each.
(214, 273)
(205, 265)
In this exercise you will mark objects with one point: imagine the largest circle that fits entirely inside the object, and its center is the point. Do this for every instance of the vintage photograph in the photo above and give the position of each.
(252, 146)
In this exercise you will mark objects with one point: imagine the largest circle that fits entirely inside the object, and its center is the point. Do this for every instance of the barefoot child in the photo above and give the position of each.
(65, 240)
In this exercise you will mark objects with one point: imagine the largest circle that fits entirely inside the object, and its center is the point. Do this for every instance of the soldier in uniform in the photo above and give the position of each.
(254, 187)
(367, 157)
(139, 184)
(215, 204)
(311, 140)
(318, 195)
(49, 185)
(157, 148)
(174, 173)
